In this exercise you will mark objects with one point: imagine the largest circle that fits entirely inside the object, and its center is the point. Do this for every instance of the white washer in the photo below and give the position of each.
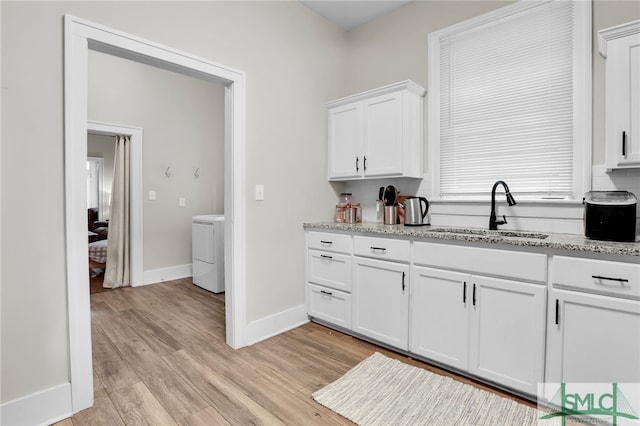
(207, 236)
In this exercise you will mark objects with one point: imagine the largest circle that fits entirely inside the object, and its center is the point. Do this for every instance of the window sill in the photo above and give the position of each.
(500, 199)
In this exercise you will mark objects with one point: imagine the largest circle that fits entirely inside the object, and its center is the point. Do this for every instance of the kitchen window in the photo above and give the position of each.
(510, 99)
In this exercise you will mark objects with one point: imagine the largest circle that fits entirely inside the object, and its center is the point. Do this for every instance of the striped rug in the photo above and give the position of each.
(384, 391)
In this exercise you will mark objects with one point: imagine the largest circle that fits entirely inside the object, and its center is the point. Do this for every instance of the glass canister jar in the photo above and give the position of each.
(357, 210)
(345, 198)
(341, 210)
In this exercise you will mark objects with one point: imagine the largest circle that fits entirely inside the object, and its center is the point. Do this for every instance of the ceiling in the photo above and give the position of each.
(349, 14)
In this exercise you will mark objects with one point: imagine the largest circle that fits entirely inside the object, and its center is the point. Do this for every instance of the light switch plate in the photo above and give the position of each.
(259, 192)
(152, 195)
(182, 202)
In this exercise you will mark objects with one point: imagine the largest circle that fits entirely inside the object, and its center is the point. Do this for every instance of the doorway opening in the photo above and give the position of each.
(80, 37)
(135, 135)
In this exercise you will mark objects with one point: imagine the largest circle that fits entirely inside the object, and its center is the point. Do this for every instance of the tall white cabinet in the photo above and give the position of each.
(620, 46)
(378, 133)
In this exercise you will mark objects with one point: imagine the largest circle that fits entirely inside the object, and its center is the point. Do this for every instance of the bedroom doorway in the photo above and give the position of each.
(100, 129)
(80, 37)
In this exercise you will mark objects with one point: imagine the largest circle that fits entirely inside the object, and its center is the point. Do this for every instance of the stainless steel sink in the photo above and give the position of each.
(488, 233)
(520, 234)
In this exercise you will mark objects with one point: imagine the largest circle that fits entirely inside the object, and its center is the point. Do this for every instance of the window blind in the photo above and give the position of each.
(506, 105)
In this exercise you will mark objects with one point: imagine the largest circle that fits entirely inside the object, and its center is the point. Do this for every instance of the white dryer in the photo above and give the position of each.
(207, 236)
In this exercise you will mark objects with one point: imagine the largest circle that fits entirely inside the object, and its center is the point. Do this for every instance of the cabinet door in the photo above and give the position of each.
(623, 100)
(592, 339)
(345, 142)
(507, 332)
(380, 301)
(383, 135)
(439, 321)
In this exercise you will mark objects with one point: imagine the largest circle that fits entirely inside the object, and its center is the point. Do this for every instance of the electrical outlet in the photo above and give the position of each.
(152, 195)
(182, 202)
(259, 192)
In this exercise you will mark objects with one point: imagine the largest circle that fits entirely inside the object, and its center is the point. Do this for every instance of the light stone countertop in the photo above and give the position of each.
(570, 242)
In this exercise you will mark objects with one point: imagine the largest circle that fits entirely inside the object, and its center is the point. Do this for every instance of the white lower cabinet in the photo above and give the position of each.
(329, 278)
(329, 269)
(440, 316)
(507, 332)
(593, 322)
(483, 311)
(330, 305)
(592, 338)
(493, 328)
(381, 301)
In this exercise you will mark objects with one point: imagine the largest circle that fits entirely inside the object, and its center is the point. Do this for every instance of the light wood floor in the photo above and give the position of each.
(160, 358)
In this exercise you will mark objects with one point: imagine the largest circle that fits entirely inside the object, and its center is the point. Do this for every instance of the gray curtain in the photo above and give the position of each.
(117, 273)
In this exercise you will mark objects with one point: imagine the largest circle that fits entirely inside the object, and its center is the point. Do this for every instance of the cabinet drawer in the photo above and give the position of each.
(600, 276)
(329, 269)
(476, 260)
(328, 241)
(382, 248)
(329, 305)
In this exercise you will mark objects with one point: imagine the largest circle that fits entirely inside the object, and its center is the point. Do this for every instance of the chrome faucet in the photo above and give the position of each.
(493, 223)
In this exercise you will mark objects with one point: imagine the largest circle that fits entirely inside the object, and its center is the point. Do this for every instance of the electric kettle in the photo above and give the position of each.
(415, 210)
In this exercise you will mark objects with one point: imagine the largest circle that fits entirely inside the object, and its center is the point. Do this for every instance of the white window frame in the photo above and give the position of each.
(97, 182)
(582, 148)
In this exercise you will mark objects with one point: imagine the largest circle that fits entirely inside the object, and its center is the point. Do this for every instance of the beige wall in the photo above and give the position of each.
(182, 119)
(294, 63)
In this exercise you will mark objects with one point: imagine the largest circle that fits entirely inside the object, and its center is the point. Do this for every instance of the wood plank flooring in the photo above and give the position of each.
(160, 358)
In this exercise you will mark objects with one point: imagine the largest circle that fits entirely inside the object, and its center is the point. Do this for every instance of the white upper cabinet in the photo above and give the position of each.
(377, 133)
(620, 46)
(345, 141)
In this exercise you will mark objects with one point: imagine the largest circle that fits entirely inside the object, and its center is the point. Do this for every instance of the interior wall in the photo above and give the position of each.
(183, 129)
(294, 63)
(103, 146)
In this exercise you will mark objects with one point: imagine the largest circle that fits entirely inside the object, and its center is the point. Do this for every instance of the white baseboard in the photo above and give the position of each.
(41, 408)
(264, 328)
(154, 276)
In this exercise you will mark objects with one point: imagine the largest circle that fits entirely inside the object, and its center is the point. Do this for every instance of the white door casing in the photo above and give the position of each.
(80, 36)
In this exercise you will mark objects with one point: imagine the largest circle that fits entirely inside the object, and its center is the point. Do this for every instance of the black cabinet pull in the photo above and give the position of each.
(326, 242)
(328, 293)
(624, 144)
(557, 312)
(600, 277)
(464, 293)
(357, 164)
(474, 294)
(365, 163)
(378, 248)
(326, 257)
(403, 285)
